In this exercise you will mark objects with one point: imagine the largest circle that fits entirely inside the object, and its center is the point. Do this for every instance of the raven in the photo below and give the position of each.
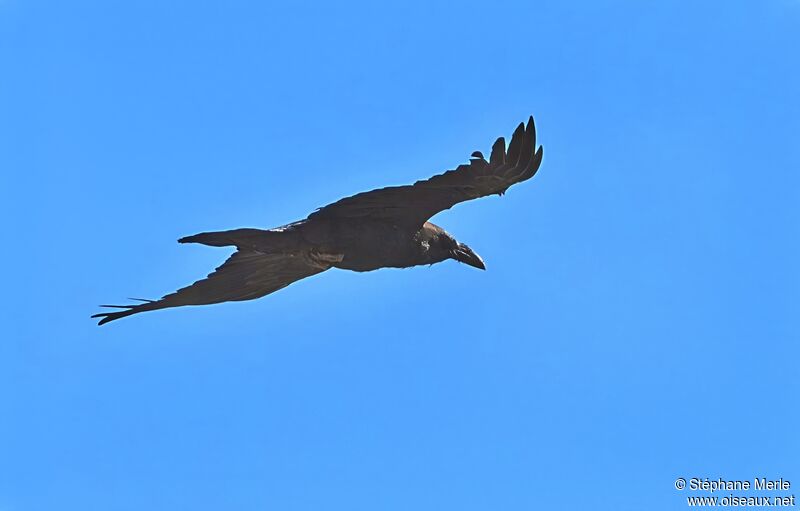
(381, 228)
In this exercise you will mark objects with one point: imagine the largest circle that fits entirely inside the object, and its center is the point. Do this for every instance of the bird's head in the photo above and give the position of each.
(440, 245)
(466, 255)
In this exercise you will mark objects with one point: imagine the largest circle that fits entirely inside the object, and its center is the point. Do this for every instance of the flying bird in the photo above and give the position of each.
(387, 227)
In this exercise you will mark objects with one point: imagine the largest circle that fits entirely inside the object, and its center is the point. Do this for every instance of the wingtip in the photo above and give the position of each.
(498, 156)
(536, 161)
(513, 152)
(126, 310)
(104, 318)
(531, 131)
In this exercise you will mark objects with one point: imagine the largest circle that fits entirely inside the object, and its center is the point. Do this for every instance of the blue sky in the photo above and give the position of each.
(638, 320)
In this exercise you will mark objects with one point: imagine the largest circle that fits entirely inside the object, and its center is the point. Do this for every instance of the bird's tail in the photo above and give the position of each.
(236, 237)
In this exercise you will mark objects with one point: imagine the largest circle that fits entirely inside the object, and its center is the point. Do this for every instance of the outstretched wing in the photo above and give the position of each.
(245, 275)
(415, 204)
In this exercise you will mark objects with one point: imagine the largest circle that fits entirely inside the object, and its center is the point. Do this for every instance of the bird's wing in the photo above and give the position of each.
(246, 275)
(415, 204)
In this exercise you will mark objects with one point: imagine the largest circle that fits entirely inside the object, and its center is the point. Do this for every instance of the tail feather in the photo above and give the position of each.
(235, 237)
(275, 240)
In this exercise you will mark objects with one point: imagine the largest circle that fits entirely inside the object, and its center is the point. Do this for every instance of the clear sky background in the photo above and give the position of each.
(638, 320)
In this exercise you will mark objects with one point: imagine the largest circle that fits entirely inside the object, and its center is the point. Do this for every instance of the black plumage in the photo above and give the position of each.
(381, 228)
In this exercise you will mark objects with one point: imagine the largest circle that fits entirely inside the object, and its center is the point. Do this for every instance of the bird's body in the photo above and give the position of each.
(367, 245)
(384, 228)
(358, 245)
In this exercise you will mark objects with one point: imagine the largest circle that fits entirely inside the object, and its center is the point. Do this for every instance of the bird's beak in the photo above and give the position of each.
(465, 255)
